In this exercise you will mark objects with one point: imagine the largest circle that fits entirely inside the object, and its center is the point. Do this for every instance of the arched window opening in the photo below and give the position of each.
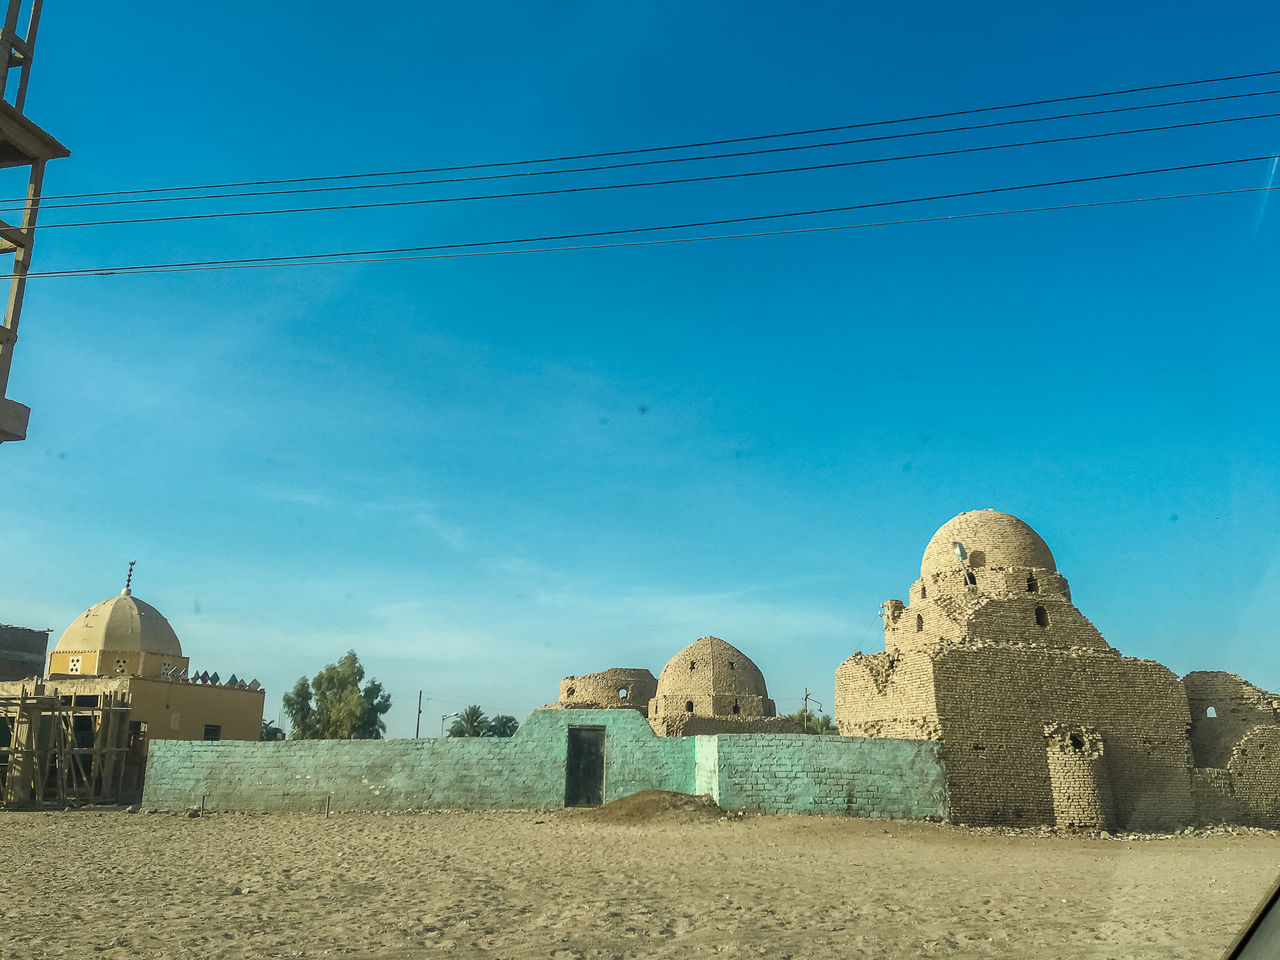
(735, 707)
(1033, 585)
(1077, 742)
(923, 592)
(569, 693)
(730, 664)
(1042, 617)
(919, 623)
(1211, 712)
(970, 579)
(688, 707)
(622, 693)
(692, 664)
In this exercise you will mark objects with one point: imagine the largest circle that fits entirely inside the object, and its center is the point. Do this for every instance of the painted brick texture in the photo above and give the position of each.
(760, 773)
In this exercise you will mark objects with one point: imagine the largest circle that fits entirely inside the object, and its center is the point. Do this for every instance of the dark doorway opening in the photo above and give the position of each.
(584, 768)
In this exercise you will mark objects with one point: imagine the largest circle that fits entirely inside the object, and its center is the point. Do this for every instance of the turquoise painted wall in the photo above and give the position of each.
(767, 773)
(858, 776)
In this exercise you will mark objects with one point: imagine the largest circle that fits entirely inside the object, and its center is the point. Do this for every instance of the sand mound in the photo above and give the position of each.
(650, 805)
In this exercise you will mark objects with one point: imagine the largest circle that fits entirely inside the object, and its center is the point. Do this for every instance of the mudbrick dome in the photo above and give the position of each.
(991, 539)
(712, 678)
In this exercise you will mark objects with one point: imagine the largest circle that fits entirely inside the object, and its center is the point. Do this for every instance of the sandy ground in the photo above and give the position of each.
(574, 884)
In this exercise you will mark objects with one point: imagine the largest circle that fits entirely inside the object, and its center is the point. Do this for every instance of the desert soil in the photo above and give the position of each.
(666, 880)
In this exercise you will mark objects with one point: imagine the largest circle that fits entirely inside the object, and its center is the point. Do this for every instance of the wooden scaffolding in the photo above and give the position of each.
(62, 749)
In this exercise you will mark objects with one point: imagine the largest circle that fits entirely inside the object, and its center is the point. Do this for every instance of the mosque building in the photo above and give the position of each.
(120, 674)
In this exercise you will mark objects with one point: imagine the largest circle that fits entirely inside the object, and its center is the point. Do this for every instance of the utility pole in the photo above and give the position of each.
(805, 712)
(417, 727)
(23, 145)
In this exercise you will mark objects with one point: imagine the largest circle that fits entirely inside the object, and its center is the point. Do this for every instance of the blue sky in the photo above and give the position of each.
(485, 474)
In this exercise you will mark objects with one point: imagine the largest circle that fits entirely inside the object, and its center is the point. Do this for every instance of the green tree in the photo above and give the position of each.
(471, 722)
(333, 706)
(815, 723)
(503, 725)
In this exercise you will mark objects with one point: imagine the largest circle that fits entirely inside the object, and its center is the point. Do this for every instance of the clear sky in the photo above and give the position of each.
(485, 474)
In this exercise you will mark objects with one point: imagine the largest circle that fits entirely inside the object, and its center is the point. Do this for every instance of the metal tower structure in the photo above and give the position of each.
(22, 144)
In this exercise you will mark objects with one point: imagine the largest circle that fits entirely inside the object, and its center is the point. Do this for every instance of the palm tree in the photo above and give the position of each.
(503, 725)
(471, 722)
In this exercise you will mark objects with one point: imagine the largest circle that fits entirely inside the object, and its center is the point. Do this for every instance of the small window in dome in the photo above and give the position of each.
(1033, 585)
(1042, 617)
(923, 592)
(692, 664)
(622, 693)
(569, 692)
(970, 579)
(919, 623)
(730, 664)
(735, 707)
(688, 707)
(1211, 712)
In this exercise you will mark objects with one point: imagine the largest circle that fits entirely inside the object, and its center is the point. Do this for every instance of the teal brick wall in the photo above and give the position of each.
(768, 773)
(858, 776)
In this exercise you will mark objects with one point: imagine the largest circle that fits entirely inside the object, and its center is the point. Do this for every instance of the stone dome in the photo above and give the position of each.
(121, 624)
(709, 667)
(991, 538)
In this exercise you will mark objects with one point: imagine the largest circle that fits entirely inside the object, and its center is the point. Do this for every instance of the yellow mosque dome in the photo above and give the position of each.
(122, 624)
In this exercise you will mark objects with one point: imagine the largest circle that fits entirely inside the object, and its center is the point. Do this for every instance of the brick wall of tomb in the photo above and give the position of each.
(1078, 780)
(887, 695)
(1237, 707)
(618, 688)
(995, 701)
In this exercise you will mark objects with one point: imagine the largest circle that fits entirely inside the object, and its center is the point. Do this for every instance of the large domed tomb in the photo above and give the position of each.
(991, 657)
(711, 678)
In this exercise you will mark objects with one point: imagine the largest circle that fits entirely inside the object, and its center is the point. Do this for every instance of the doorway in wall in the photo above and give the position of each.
(584, 768)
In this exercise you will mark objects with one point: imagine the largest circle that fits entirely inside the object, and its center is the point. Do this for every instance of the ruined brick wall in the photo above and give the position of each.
(22, 652)
(711, 678)
(1238, 707)
(618, 688)
(1235, 742)
(887, 695)
(994, 703)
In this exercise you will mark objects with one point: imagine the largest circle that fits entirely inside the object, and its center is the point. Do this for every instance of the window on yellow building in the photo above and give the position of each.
(73, 665)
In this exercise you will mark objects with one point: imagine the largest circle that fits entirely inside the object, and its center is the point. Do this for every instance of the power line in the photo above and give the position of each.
(592, 188)
(643, 163)
(272, 262)
(680, 146)
(322, 257)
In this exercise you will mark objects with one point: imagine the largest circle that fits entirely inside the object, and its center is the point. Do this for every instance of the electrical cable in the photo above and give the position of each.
(679, 146)
(592, 188)
(325, 257)
(641, 163)
(664, 241)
